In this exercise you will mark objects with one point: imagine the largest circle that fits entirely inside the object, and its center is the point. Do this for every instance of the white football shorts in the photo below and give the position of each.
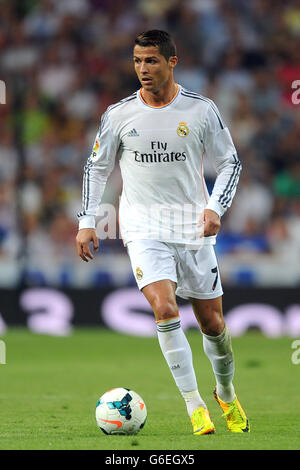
(195, 272)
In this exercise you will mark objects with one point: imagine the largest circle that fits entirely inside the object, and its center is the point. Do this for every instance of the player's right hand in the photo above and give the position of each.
(83, 239)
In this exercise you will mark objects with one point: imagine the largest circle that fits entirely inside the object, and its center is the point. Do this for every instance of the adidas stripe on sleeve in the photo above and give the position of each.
(96, 172)
(220, 149)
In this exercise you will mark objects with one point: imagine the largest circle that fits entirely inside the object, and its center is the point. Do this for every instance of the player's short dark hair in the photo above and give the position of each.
(160, 39)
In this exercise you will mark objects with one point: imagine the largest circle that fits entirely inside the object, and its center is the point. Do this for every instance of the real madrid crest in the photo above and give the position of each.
(182, 129)
(139, 274)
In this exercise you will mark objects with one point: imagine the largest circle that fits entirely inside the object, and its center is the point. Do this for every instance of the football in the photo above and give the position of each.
(120, 411)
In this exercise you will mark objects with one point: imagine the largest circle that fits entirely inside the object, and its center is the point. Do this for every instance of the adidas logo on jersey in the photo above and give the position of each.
(132, 133)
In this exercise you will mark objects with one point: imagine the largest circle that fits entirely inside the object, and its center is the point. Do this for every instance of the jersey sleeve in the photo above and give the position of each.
(220, 149)
(96, 172)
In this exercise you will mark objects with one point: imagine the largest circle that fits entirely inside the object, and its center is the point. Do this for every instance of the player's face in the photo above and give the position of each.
(152, 68)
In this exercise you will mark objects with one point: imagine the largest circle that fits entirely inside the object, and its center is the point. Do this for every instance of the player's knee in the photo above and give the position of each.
(214, 325)
(164, 309)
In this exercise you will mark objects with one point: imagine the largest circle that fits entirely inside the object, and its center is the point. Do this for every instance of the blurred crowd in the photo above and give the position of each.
(64, 61)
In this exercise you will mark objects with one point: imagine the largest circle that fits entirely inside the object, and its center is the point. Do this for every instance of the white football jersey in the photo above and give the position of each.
(161, 152)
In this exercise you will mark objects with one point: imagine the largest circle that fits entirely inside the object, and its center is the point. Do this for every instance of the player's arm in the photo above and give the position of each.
(96, 172)
(219, 148)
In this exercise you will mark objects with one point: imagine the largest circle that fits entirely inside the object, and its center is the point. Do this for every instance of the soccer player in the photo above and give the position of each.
(169, 222)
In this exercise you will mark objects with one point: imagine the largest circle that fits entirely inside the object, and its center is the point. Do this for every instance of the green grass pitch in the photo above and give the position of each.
(49, 387)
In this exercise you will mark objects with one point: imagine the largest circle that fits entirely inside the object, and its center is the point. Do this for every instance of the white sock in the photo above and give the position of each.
(193, 401)
(177, 352)
(219, 351)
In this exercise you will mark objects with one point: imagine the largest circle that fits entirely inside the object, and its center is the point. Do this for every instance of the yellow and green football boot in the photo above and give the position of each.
(202, 424)
(234, 414)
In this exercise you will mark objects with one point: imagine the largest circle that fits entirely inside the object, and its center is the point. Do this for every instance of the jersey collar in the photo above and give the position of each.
(164, 105)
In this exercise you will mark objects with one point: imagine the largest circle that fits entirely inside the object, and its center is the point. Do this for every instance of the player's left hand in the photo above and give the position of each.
(83, 238)
(210, 223)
